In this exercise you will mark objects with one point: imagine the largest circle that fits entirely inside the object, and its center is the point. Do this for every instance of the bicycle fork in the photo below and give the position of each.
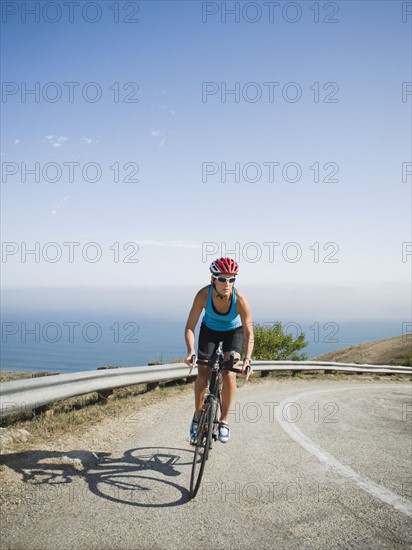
(215, 385)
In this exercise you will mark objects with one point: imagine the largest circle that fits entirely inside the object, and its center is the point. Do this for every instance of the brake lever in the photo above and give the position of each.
(247, 371)
(193, 362)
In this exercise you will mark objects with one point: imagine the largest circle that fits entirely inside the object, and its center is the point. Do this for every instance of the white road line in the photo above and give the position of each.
(376, 490)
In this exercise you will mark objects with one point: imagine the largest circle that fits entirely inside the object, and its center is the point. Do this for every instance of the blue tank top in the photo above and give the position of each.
(218, 321)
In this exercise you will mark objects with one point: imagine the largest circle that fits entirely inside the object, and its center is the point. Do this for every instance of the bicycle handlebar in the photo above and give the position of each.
(226, 365)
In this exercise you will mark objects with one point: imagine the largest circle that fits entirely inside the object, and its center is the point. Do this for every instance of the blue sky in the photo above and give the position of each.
(167, 135)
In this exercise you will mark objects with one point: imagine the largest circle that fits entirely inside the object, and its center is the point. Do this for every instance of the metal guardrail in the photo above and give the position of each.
(24, 395)
(27, 394)
(329, 365)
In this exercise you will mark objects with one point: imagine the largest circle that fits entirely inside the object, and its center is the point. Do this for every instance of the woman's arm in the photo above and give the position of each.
(194, 314)
(247, 323)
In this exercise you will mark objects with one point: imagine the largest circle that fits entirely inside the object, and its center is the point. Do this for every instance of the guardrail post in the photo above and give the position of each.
(264, 373)
(150, 386)
(105, 395)
(43, 409)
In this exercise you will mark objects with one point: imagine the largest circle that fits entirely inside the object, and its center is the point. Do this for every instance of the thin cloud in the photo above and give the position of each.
(16, 141)
(87, 140)
(55, 141)
(56, 207)
(159, 134)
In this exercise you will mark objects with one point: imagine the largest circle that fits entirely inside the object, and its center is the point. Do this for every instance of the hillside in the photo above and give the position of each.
(390, 351)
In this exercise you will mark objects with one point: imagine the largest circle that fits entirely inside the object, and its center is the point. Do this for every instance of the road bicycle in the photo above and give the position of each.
(207, 430)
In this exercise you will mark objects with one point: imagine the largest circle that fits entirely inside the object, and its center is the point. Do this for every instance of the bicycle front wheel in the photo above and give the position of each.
(203, 440)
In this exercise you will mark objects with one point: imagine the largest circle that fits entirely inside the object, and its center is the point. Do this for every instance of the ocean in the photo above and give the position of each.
(60, 344)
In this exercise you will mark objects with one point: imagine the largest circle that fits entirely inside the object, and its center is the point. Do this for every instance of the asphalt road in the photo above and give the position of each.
(311, 464)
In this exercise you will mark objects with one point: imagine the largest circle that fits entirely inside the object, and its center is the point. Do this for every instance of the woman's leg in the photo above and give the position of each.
(206, 347)
(233, 343)
(228, 389)
(200, 387)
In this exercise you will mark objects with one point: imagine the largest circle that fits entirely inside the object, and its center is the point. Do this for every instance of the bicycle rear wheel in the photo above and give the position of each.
(203, 440)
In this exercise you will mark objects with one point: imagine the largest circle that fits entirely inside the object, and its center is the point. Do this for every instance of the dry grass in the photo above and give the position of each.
(389, 351)
(11, 375)
(80, 413)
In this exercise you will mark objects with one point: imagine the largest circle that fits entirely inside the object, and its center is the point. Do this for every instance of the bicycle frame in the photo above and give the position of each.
(215, 379)
(208, 417)
(217, 366)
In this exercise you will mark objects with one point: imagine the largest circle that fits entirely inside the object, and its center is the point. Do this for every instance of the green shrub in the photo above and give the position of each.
(407, 360)
(272, 344)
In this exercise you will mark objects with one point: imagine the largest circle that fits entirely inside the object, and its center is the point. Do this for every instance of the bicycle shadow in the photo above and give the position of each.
(141, 477)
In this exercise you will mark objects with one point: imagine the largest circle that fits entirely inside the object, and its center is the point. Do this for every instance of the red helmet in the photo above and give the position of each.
(224, 265)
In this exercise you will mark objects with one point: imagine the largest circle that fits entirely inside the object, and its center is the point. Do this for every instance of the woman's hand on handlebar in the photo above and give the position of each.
(247, 369)
(191, 360)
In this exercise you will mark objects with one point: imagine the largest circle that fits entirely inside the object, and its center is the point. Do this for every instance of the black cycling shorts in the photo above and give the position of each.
(209, 340)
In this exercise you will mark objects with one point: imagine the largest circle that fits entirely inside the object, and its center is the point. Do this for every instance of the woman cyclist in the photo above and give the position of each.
(227, 318)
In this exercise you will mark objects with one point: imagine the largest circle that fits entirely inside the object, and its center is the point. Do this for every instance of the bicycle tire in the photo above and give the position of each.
(217, 394)
(218, 408)
(211, 416)
(203, 440)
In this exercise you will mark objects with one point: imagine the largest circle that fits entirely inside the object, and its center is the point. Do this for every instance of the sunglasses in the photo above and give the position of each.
(224, 279)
